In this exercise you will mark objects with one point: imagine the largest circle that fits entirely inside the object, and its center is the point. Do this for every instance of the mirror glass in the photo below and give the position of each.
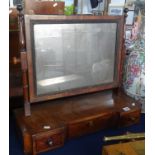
(70, 56)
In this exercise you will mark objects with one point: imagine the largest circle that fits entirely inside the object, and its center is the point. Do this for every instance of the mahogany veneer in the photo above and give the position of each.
(53, 122)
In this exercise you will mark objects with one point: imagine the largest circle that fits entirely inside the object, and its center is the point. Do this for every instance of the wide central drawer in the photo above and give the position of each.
(91, 124)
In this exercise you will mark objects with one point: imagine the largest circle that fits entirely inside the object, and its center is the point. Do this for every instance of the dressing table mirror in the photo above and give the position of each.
(72, 69)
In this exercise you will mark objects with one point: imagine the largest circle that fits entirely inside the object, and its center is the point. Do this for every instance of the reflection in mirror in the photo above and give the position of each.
(70, 56)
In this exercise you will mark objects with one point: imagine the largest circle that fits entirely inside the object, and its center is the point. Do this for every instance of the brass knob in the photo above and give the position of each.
(132, 118)
(90, 123)
(49, 142)
(15, 60)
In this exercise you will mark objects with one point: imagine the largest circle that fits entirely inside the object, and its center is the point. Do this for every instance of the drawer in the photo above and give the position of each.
(89, 125)
(129, 118)
(48, 140)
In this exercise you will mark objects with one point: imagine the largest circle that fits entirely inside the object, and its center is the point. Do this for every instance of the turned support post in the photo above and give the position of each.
(123, 44)
(23, 57)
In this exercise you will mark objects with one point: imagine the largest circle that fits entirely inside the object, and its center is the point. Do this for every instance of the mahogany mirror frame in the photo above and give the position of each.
(32, 92)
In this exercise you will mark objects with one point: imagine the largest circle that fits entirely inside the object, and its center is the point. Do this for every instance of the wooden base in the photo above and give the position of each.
(53, 122)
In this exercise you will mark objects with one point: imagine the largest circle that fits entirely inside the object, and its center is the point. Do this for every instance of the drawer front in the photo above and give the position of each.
(91, 125)
(49, 141)
(128, 119)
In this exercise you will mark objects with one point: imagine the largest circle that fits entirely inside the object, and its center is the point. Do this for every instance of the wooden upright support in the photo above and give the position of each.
(23, 56)
(123, 47)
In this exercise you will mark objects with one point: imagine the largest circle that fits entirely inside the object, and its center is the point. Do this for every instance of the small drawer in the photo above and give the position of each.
(81, 127)
(129, 118)
(49, 140)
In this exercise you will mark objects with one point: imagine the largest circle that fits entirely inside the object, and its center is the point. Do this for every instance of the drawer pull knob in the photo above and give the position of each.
(49, 142)
(133, 118)
(90, 123)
